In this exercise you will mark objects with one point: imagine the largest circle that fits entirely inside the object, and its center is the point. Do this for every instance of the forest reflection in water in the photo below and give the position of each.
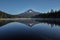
(33, 21)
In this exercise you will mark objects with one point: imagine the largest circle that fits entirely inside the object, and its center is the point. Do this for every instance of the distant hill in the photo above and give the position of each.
(6, 15)
(28, 14)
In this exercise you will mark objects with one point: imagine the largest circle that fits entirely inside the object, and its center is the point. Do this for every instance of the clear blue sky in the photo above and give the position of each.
(19, 6)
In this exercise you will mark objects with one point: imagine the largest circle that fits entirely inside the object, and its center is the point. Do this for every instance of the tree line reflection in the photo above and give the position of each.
(30, 23)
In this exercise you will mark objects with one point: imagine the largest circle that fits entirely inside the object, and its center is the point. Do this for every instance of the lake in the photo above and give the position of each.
(30, 29)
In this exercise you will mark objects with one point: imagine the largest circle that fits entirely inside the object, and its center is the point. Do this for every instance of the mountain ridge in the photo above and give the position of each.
(32, 14)
(28, 14)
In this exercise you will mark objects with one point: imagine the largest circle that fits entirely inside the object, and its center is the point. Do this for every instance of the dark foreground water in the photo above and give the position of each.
(29, 30)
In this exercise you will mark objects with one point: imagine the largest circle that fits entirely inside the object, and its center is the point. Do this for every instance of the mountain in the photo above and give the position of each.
(28, 14)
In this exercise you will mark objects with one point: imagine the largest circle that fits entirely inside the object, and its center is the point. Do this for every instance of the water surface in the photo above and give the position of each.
(29, 29)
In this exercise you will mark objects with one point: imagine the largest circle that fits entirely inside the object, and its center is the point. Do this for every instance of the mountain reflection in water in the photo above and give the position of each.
(31, 22)
(30, 29)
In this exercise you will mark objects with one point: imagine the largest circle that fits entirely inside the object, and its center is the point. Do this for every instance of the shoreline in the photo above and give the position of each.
(30, 19)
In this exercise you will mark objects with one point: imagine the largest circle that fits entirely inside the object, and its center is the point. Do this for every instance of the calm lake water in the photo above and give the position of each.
(29, 29)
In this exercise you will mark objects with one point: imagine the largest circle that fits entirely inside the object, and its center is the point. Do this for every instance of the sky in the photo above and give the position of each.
(20, 6)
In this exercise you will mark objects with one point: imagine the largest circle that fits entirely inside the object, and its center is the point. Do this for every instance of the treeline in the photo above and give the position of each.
(6, 15)
(51, 14)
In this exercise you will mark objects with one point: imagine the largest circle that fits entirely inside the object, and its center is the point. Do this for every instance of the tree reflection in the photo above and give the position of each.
(30, 23)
